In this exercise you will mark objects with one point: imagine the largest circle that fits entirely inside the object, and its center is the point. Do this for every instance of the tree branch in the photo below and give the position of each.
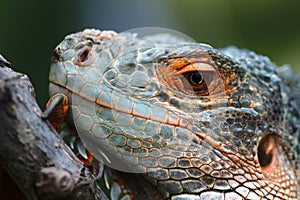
(31, 150)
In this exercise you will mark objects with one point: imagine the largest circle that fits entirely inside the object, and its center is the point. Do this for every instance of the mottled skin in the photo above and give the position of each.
(198, 122)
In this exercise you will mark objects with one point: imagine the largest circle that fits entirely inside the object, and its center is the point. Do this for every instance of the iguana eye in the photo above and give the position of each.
(190, 76)
(197, 82)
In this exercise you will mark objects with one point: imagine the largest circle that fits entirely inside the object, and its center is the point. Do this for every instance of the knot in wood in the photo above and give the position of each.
(54, 183)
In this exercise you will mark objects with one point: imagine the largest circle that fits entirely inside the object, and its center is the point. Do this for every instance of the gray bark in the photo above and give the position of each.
(31, 150)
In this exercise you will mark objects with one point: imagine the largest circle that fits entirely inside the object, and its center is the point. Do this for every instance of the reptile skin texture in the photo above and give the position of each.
(183, 119)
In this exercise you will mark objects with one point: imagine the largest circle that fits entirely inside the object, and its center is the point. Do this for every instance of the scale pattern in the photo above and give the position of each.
(198, 122)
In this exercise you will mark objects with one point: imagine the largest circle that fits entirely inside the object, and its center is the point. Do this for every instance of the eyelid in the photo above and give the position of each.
(203, 67)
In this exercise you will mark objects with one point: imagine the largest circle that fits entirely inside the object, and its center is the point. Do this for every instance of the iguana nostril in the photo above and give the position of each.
(84, 55)
(266, 150)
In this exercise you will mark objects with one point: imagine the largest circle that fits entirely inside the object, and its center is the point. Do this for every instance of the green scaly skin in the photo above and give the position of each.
(238, 140)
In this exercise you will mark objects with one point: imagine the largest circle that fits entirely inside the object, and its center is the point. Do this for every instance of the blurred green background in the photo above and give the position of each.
(31, 29)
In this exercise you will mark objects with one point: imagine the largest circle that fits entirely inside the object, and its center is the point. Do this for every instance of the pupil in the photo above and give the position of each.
(196, 78)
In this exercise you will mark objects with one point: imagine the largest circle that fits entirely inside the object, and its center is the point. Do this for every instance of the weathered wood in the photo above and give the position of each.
(31, 150)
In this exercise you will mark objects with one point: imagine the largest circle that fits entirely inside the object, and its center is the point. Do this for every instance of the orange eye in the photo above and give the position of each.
(196, 82)
(190, 77)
